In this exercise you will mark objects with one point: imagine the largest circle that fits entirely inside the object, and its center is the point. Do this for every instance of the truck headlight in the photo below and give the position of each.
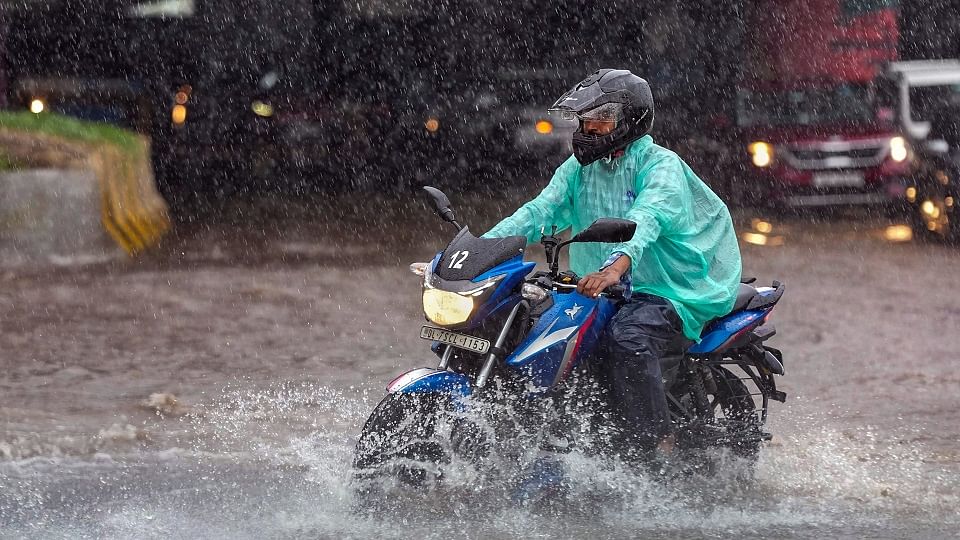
(761, 152)
(446, 308)
(898, 149)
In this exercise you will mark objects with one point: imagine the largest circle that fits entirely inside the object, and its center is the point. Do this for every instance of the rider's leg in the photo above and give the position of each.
(645, 332)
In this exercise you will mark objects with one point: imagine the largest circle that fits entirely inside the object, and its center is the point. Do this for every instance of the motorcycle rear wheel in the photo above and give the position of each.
(733, 400)
(724, 415)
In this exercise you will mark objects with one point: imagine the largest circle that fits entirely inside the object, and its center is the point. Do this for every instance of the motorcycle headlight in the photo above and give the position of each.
(446, 308)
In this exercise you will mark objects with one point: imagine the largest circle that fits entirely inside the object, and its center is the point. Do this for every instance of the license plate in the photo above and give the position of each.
(838, 179)
(462, 341)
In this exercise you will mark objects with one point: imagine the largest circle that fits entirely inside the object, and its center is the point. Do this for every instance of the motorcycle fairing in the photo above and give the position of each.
(724, 330)
(720, 333)
(510, 273)
(427, 380)
(563, 337)
(503, 297)
(467, 256)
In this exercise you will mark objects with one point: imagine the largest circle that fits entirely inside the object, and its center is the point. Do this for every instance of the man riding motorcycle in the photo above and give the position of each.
(682, 265)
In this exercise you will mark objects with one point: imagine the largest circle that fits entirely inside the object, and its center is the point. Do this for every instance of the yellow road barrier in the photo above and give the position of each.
(133, 213)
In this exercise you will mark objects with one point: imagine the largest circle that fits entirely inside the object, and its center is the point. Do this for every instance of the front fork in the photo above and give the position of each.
(494, 353)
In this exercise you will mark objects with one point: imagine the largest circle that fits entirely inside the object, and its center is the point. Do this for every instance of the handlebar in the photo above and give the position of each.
(613, 291)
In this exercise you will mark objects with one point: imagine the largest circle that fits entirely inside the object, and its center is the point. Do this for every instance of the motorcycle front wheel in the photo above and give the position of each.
(399, 440)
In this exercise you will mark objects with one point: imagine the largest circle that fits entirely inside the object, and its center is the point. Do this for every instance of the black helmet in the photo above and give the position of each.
(611, 95)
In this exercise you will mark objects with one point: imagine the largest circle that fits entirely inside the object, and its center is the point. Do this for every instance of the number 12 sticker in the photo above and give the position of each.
(454, 263)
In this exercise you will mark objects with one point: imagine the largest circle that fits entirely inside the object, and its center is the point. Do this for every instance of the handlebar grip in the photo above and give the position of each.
(615, 291)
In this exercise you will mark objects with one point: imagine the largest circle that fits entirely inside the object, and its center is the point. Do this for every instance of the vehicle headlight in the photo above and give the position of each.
(898, 149)
(544, 127)
(446, 308)
(262, 109)
(37, 105)
(761, 152)
(178, 115)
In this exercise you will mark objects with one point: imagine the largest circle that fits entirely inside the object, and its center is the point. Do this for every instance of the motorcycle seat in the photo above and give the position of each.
(750, 298)
(744, 295)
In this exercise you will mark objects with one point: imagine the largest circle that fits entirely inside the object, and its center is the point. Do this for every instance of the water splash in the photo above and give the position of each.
(276, 462)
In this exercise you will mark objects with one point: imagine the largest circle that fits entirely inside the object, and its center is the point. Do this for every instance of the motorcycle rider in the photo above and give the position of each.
(682, 265)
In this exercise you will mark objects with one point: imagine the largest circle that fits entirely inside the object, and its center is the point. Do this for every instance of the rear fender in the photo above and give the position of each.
(427, 380)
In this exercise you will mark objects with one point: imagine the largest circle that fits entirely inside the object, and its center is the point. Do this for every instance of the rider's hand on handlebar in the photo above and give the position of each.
(591, 285)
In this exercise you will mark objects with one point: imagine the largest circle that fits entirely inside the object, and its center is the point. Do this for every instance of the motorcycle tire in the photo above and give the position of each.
(725, 415)
(733, 400)
(399, 440)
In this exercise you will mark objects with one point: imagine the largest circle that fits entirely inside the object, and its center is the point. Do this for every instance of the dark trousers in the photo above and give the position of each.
(643, 341)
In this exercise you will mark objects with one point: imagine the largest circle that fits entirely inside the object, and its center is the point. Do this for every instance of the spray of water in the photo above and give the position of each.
(277, 463)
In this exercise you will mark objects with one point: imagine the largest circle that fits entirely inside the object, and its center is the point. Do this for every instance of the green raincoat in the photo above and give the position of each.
(685, 248)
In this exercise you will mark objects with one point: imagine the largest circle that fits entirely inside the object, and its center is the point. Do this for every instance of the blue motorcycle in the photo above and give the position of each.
(515, 347)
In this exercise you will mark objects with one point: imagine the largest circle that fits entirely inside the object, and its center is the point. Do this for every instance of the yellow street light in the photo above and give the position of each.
(179, 114)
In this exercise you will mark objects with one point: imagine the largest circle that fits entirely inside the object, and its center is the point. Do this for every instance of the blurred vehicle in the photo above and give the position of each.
(114, 101)
(812, 128)
(538, 136)
(67, 57)
(227, 130)
(493, 128)
(473, 85)
(917, 91)
(935, 192)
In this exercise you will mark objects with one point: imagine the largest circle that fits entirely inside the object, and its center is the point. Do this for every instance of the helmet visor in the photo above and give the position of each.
(608, 112)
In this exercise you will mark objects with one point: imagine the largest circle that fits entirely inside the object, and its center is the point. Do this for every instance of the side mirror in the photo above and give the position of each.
(440, 203)
(609, 230)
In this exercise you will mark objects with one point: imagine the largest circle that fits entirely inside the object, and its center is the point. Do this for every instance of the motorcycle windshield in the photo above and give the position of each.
(467, 257)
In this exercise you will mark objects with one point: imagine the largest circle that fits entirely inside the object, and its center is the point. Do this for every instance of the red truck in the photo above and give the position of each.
(809, 114)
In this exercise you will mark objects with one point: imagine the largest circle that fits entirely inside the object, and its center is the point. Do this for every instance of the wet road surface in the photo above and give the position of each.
(216, 388)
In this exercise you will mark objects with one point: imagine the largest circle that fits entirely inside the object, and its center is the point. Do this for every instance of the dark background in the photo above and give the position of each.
(368, 71)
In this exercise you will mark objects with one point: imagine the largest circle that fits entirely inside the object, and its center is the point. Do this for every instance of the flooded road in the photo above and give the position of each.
(216, 388)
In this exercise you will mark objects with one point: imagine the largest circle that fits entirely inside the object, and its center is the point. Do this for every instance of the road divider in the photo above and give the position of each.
(132, 212)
